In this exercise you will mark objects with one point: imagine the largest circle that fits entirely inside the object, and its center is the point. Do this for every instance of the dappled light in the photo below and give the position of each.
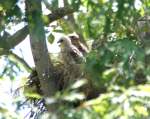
(75, 59)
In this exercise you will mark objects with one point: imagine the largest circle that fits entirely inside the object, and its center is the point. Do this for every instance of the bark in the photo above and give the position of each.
(59, 13)
(39, 50)
(11, 41)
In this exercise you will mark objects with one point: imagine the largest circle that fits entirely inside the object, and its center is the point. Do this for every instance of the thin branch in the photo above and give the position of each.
(11, 41)
(21, 60)
(75, 26)
(47, 4)
(59, 13)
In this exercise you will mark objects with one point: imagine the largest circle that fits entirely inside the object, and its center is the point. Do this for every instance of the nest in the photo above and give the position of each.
(64, 76)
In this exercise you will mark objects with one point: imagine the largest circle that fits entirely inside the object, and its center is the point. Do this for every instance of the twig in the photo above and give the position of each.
(21, 60)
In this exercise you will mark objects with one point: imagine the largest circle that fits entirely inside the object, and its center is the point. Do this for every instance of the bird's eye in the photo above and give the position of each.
(60, 41)
(72, 37)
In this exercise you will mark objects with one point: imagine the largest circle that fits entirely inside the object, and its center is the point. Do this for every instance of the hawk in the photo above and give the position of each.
(72, 59)
(76, 42)
(70, 53)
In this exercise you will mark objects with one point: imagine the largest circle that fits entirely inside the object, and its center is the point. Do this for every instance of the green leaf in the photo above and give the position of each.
(51, 38)
(54, 4)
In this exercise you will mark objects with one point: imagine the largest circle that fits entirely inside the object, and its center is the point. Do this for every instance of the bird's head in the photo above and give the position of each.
(64, 41)
(74, 39)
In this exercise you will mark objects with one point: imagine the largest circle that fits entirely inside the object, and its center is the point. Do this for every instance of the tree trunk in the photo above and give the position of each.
(42, 62)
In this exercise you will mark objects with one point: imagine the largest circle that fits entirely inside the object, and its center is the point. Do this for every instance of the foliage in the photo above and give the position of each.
(117, 64)
(117, 103)
(116, 61)
(9, 12)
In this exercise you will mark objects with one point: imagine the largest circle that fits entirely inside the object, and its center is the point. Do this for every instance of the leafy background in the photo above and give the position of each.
(118, 63)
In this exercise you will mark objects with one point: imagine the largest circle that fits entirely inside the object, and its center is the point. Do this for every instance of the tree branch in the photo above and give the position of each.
(11, 41)
(22, 61)
(72, 22)
(35, 28)
(59, 13)
(42, 62)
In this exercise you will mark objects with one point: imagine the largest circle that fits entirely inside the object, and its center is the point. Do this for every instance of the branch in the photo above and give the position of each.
(59, 13)
(22, 61)
(47, 4)
(10, 42)
(42, 62)
(76, 27)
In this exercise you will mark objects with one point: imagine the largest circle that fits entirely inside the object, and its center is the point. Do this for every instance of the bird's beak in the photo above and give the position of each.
(60, 41)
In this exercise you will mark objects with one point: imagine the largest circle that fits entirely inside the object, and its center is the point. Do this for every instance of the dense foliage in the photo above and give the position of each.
(117, 33)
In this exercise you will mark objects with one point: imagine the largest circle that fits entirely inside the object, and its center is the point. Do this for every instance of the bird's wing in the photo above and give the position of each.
(83, 48)
(76, 54)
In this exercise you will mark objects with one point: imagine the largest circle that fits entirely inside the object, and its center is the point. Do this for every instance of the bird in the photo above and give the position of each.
(72, 60)
(75, 40)
(70, 52)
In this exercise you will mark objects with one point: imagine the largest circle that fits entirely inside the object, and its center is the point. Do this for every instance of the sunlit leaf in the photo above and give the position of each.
(33, 95)
(145, 88)
(141, 110)
(79, 83)
(74, 97)
(51, 38)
